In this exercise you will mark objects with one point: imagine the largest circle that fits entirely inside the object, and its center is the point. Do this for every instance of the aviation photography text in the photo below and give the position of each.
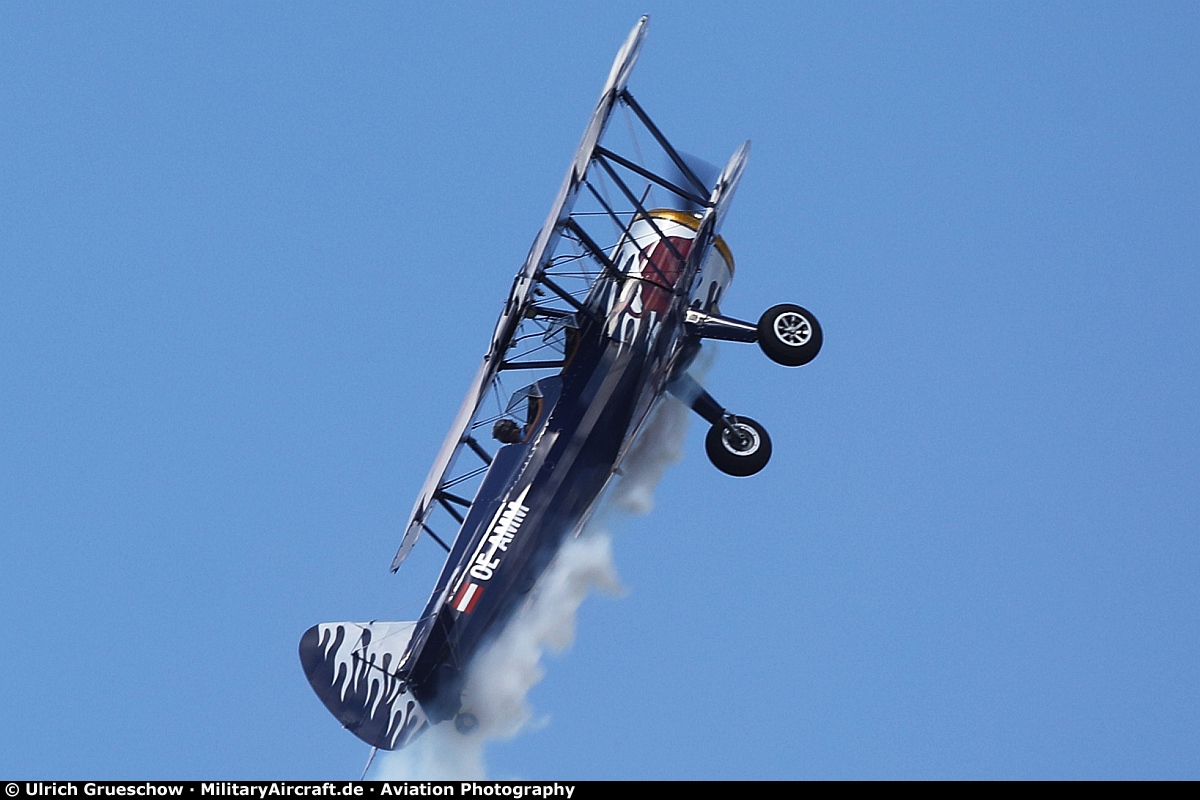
(264, 789)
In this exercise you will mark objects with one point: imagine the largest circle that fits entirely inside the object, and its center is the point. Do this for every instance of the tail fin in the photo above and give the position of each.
(352, 668)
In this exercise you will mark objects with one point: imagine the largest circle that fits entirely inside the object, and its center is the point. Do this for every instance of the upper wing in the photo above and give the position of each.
(569, 255)
(518, 297)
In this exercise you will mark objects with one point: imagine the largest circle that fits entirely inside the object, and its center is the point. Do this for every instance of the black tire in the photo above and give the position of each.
(789, 335)
(736, 458)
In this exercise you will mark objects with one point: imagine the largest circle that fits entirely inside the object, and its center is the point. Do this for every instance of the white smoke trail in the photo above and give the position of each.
(503, 674)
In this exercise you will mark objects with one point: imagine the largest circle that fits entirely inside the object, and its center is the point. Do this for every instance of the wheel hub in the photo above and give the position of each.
(793, 329)
(742, 441)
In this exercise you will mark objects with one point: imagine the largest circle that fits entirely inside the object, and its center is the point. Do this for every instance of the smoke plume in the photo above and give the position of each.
(502, 675)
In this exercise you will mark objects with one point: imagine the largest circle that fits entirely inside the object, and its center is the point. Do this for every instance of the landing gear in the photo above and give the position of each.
(738, 446)
(465, 722)
(789, 335)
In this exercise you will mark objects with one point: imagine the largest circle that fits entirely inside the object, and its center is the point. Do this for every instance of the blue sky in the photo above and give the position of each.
(251, 256)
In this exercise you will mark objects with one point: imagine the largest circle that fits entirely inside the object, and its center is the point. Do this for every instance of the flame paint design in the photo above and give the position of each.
(352, 668)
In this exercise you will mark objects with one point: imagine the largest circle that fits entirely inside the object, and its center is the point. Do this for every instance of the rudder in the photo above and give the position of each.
(352, 668)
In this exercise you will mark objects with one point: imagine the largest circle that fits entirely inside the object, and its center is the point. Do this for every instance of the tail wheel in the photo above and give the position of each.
(742, 451)
(789, 335)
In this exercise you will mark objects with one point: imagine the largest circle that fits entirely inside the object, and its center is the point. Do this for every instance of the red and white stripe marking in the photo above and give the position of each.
(467, 597)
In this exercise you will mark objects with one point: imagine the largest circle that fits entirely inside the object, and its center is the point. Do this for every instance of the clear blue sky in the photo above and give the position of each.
(250, 254)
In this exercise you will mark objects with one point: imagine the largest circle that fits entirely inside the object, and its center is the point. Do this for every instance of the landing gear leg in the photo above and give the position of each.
(737, 446)
(692, 394)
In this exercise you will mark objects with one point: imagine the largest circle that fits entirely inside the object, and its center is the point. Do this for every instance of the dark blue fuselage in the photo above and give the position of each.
(547, 484)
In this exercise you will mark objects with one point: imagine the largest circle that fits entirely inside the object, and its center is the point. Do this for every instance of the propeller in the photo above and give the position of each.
(706, 172)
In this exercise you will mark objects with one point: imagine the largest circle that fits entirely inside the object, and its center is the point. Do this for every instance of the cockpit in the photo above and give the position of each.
(525, 410)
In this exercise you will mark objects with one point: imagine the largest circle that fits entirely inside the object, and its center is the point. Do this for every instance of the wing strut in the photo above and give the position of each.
(519, 298)
(596, 251)
(477, 449)
(671, 152)
(642, 212)
(436, 538)
(563, 224)
(650, 176)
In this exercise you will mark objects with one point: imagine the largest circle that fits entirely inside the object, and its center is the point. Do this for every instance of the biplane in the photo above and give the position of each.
(620, 288)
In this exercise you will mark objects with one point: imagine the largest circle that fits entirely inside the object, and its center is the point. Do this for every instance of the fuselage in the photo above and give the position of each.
(541, 490)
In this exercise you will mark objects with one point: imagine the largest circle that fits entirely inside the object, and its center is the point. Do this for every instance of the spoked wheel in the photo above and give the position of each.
(789, 335)
(743, 451)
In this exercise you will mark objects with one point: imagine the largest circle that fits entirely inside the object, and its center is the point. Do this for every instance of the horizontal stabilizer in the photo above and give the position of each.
(352, 667)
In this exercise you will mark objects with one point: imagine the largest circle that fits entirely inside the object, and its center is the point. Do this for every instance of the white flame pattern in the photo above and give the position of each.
(363, 665)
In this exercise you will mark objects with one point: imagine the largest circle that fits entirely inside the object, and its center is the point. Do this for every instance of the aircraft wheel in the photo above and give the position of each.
(742, 454)
(789, 335)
